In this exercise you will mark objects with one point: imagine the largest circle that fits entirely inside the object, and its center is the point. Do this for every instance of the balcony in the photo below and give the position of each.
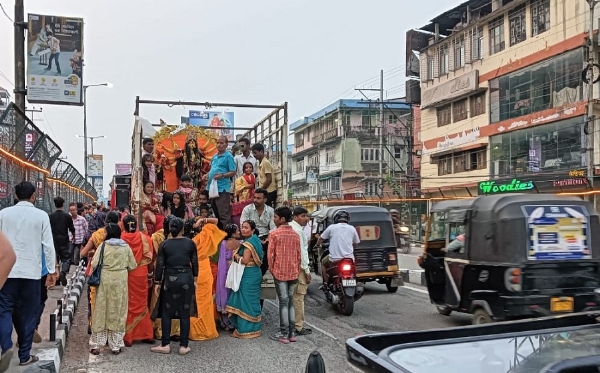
(325, 135)
(299, 176)
(329, 168)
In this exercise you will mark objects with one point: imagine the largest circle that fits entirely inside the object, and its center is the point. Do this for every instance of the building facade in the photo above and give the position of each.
(343, 151)
(502, 97)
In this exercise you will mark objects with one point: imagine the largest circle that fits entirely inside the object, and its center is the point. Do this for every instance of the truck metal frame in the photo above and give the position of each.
(271, 131)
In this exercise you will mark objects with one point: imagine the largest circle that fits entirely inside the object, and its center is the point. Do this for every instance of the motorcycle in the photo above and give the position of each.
(403, 238)
(341, 289)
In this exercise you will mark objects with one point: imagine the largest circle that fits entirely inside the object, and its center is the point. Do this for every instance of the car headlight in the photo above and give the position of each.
(404, 229)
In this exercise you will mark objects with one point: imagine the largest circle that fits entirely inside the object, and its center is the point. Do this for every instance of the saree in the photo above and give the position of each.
(203, 327)
(221, 292)
(139, 325)
(241, 182)
(157, 238)
(243, 305)
(214, 270)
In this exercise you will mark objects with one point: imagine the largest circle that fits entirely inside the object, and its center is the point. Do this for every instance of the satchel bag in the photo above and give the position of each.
(234, 276)
(94, 279)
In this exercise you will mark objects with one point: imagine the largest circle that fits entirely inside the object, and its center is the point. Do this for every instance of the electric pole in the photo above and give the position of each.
(590, 117)
(381, 118)
(20, 25)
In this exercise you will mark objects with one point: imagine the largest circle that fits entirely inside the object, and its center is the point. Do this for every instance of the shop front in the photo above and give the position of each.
(571, 182)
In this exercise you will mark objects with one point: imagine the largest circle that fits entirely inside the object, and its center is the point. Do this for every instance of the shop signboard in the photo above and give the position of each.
(500, 187)
(557, 232)
(123, 168)
(312, 173)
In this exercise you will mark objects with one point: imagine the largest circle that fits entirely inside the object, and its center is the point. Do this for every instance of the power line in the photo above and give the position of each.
(4, 11)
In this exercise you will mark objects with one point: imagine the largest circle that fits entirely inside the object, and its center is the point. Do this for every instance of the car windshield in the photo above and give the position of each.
(438, 227)
(503, 355)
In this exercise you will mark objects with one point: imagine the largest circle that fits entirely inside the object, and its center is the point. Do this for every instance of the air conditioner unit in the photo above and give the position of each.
(324, 192)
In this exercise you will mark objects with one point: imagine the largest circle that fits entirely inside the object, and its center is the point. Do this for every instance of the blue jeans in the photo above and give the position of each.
(287, 315)
(24, 296)
(54, 56)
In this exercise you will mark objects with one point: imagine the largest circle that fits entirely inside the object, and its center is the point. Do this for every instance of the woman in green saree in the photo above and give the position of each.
(243, 305)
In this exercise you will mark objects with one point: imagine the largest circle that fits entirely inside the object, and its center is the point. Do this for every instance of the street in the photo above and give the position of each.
(377, 311)
(409, 261)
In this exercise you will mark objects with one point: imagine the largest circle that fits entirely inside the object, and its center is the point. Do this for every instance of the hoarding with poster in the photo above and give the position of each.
(30, 140)
(55, 60)
(557, 232)
(98, 183)
(3, 190)
(123, 168)
(95, 167)
(221, 122)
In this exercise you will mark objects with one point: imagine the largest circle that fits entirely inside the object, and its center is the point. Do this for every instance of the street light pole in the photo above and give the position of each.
(85, 136)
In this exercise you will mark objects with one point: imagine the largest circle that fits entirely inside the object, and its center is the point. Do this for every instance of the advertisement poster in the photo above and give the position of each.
(95, 166)
(122, 168)
(98, 184)
(54, 60)
(557, 232)
(30, 141)
(312, 174)
(222, 122)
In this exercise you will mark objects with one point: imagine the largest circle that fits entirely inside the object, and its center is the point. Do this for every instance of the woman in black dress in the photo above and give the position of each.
(175, 281)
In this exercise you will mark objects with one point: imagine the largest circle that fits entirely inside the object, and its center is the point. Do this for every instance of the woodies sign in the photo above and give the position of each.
(498, 187)
(454, 88)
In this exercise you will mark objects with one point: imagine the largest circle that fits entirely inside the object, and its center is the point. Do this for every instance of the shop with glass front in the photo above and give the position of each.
(544, 149)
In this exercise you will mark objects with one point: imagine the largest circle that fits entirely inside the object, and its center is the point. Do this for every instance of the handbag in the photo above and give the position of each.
(94, 279)
(234, 276)
(213, 191)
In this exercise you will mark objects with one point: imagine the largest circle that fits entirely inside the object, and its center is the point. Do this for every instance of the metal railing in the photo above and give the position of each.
(27, 153)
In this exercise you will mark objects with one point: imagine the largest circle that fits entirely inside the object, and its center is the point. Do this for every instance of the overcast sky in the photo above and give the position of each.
(308, 53)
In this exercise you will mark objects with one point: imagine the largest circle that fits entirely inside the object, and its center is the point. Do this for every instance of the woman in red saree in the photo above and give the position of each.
(139, 326)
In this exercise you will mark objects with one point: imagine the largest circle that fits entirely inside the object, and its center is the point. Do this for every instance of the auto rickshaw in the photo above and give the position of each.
(376, 256)
(512, 256)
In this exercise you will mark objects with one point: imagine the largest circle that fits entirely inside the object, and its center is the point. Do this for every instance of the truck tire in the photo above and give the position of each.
(480, 317)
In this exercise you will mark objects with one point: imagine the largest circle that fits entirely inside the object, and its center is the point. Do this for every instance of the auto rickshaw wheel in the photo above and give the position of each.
(480, 317)
(390, 288)
(347, 305)
(444, 310)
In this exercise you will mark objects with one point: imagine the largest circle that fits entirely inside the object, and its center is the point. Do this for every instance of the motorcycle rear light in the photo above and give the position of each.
(346, 267)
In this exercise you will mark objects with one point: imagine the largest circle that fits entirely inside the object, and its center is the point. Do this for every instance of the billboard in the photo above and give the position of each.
(54, 60)
(123, 168)
(98, 184)
(222, 122)
(95, 167)
(4, 98)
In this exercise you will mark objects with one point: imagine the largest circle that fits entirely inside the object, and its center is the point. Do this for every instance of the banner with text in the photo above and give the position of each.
(95, 166)
(55, 60)
(221, 122)
(123, 168)
(98, 184)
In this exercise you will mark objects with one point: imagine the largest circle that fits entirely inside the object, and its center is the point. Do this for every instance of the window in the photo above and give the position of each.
(368, 118)
(496, 28)
(313, 160)
(336, 184)
(300, 166)
(371, 187)
(552, 83)
(516, 21)
(476, 44)
(307, 134)
(299, 139)
(346, 120)
(444, 59)
(477, 104)
(444, 115)
(459, 110)
(540, 17)
(392, 119)
(430, 68)
(330, 155)
(462, 162)
(459, 53)
(369, 155)
(331, 185)
(397, 152)
(548, 148)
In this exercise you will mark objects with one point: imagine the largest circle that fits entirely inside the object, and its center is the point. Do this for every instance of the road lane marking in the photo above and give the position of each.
(306, 322)
(415, 289)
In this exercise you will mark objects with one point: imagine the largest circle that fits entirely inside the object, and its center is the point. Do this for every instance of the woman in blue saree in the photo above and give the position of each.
(243, 305)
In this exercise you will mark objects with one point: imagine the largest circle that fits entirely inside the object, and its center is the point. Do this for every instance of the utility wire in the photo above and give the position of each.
(4, 11)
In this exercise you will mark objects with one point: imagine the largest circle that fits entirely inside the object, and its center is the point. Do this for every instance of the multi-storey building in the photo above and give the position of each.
(502, 97)
(341, 151)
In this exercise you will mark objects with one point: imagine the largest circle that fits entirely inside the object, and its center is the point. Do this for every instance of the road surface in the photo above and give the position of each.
(377, 311)
(409, 261)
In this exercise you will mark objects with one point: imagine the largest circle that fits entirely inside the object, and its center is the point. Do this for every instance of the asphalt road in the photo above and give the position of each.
(409, 261)
(377, 311)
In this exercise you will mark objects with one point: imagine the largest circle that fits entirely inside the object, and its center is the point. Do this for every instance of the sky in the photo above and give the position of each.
(308, 53)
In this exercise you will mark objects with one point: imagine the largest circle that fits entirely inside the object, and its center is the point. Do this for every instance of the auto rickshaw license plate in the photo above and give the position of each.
(348, 282)
(561, 304)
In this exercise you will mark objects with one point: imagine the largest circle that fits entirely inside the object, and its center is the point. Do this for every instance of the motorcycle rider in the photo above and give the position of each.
(342, 241)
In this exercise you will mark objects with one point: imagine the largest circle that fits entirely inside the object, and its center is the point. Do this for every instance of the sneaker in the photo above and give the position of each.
(184, 350)
(292, 337)
(304, 331)
(280, 337)
(37, 338)
(63, 279)
(160, 349)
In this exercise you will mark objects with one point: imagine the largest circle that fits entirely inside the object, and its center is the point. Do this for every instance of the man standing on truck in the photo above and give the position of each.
(222, 169)
(266, 174)
(244, 156)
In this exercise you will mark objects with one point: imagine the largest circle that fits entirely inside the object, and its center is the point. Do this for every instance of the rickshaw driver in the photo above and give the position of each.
(458, 245)
(342, 241)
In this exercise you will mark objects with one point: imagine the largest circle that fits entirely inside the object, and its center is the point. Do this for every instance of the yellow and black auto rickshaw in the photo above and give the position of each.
(512, 256)
(376, 256)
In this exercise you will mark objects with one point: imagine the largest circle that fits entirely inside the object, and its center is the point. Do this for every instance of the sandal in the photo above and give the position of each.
(95, 351)
(116, 352)
(5, 360)
(32, 359)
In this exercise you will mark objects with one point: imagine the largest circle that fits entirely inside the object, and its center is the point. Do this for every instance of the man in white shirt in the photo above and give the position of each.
(342, 241)
(244, 156)
(298, 224)
(28, 230)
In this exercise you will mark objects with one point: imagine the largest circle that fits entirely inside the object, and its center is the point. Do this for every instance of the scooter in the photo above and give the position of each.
(342, 289)
(403, 238)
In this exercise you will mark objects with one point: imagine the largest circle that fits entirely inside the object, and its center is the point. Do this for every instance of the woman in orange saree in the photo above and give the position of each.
(204, 327)
(139, 325)
(89, 250)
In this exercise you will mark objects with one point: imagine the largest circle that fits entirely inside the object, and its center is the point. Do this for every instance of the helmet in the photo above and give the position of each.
(340, 216)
